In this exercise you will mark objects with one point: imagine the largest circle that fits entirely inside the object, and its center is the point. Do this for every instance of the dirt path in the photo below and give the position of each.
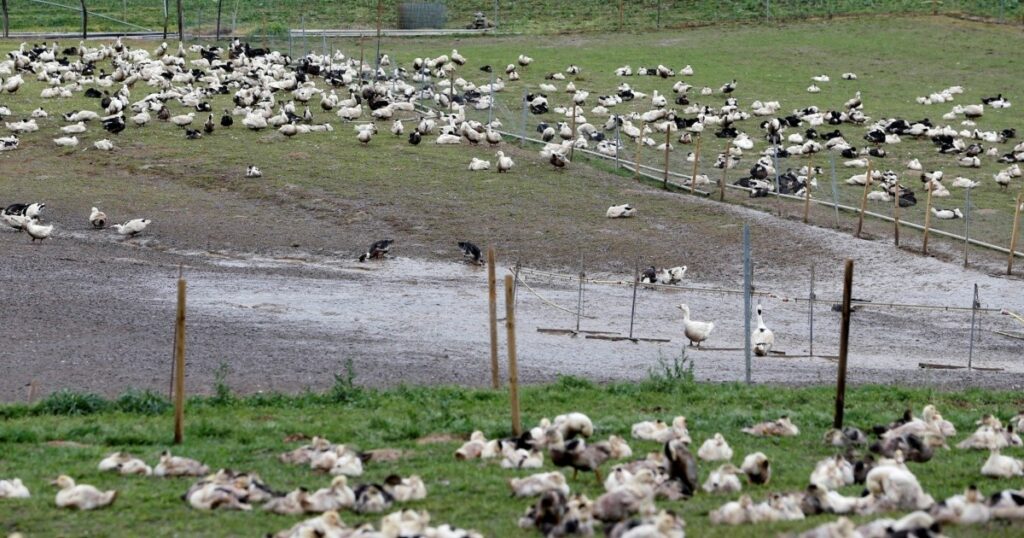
(88, 312)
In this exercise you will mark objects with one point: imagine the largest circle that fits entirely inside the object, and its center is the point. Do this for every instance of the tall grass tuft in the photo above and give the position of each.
(66, 402)
(142, 402)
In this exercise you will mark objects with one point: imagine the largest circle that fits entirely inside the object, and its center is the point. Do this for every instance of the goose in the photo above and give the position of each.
(695, 331)
(170, 465)
(620, 211)
(14, 221)
(1002, 179)
(854, 102)
(964, 183)
(132, 227)
(576, 453)
(715, 449)
(974, 111)
(947, 213)
(294, 503)
(255, 122)
(724, 479)
(782, 427)
(97, 218)
(103, 145)
(9, 143)
(914, 164)
(366, 132)
(36, 231)
(66, 141)
(397, 128)
(141, 119)
(13, 489)
(446, 138)
(728, 87)
(125, 463)
(832, 473)
(471, 251)
(763, 338)
(209, 496)
(225, 120)
(476, 165)
(184, 119)
(209, 126)
(758, 468)
(377, 250)
(83, 496)
(969, 162)
(1000, 466)
(76, 128)
(537, 484)
(879, 196)
(504, 163)
(849, 76)
(253, 171)
(335, 497)
(405, 489)
(371, 498)
(415, 137)
(23, 126)
(558, 160)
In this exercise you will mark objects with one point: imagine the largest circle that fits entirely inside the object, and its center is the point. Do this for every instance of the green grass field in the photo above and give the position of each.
(70, 434)
(515, 16)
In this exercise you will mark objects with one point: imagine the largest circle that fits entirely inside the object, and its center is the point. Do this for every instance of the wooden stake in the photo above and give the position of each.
(863, 202)
(620, 14)
(32, 389)
(639, 146)
(844, 342)
(492, 299)
(513, 369)
(807, 192)
(1016, 231)
(451, 87)
(896, 215)
(927, 218)
(721, 183)
(179, 380)
(668, 139)
(696, 162)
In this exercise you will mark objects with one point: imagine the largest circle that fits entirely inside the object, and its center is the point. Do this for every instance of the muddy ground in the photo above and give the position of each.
(282, 305)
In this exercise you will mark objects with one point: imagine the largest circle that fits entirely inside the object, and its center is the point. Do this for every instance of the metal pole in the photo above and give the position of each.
(632, 310)
(522, 137)
(844, 341)
(775, 164)
(810, 314)
(835, 190)
(85, 21)
(492, 299)
(974, 315)
(618, 144)
(181, 21)
(747, 277)
(219, 6)
(490, 109)
(579, 298)
(166, 18)
(305, 46)
(380, 16)
(967, 223)
(696, 162)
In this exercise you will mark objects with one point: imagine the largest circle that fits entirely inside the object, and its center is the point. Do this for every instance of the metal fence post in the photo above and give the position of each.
(618, 144)
(522, 138)
(835, 190)
(967, 222)
(974, 316)
(747, 276)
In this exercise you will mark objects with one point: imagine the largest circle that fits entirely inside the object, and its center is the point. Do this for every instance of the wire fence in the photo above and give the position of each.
(249, 18)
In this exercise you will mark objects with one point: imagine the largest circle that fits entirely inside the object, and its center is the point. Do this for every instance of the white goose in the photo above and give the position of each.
(504, 163)
(695, 331)
(36, 231)
(947, 214)
(620, 211)
(132, 227)
(763, 338)
(97, 218)
(477, 165)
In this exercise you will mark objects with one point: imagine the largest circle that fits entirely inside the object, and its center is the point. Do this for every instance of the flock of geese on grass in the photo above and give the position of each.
(632, 485)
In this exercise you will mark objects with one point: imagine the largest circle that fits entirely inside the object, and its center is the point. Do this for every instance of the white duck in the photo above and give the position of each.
(695, 331)
(504, 163)
(947, 214)
(715, 449)
(132, 227)
(13, 489)
(620, 211)
(82, 497)
(763, 338)
(477, 165)
(36, 231)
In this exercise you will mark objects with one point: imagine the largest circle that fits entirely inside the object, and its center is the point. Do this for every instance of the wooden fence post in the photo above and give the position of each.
(572, 148)
(844, 341)
(863, 201)
(721, 183)
(513, 369)
(492, 297)
(7, 26)
(696, 161)
(181, 23)
(927, 218)
(85, 21)
(1015, 232)
(179, 359)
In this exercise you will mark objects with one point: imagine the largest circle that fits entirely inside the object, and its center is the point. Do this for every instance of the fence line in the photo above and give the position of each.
(623, 163)
(773, 295)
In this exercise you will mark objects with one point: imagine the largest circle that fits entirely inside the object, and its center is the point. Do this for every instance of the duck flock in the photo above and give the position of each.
(632, 485)
(133, 87)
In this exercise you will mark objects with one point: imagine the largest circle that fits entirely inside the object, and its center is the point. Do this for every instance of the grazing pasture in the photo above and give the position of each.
(70, 434)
